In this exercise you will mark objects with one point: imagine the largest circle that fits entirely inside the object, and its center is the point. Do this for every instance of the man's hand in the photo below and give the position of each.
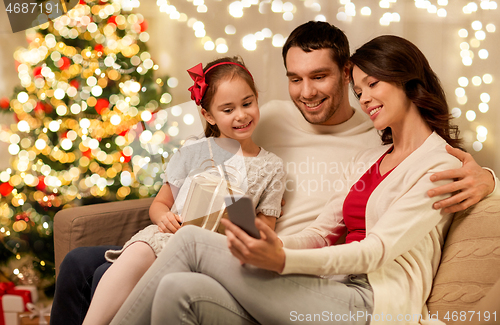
(472, 182)
(266, 253)
(169, 223)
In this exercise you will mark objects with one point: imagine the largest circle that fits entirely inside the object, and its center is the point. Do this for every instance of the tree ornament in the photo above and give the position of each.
(39, 108)
(41, 186)
(144, 26)
(37, 72)
(112, 20)
(99, 48)
(74, 83)
(6, 189)
(4, 103)
(101, 106)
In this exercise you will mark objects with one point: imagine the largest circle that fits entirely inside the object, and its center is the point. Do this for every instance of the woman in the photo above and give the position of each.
(393, 245)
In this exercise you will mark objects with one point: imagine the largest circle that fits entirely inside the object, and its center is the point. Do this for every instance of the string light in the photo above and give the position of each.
(470, 115)
(456, 112)
(476, 81)
(366, 11)
(470, 49)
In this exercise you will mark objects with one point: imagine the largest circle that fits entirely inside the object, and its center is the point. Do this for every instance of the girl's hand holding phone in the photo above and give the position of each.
(169, 223)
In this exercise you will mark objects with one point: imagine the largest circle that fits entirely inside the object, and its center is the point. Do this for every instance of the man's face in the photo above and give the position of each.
(317, 85)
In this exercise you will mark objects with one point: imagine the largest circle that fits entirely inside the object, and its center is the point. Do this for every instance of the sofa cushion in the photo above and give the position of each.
(98, 224)
(470, 263)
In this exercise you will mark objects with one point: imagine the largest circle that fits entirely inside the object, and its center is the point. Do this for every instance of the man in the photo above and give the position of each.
(316, 135)
(317, 141)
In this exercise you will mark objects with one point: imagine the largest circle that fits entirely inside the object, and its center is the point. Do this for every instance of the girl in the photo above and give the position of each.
(226, 92)
(383, 273)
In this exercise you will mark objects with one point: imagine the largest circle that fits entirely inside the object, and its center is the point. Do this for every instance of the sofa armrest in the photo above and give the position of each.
(98, 224)
(470, 262)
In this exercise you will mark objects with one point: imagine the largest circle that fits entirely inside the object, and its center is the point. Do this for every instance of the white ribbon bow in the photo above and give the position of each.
(38, 312)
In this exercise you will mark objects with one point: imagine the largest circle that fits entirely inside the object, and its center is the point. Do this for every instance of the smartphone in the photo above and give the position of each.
(241, 212)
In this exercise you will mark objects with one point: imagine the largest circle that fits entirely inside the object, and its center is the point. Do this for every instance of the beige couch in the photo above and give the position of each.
(470, 264)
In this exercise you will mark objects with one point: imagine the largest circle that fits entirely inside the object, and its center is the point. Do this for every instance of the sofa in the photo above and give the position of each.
(469, 268)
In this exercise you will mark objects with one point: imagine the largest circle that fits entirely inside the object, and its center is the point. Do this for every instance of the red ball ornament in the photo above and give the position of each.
(6, 189)
(41, 183)
(126, 158)
(48, 202)
(4, 103)
(37, 72)
(22, 216)
(74, 83)
(87, 153)
(82, 2)
(112, 20)
(99, 48)
(40, 107)
(144, 26)
(64, 62)
(48, 108)
(101, 105)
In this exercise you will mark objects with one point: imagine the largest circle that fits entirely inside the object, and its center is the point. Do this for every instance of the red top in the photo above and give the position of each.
(354, 210)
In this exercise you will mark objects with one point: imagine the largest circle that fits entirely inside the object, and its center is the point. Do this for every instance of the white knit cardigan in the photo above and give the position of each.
(404, 234)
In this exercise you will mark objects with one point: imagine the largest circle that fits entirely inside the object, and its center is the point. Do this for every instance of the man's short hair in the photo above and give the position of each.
(316, 35)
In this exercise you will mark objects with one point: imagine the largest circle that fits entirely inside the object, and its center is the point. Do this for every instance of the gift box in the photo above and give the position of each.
(14, 300)
(204, 205)
(36, 315)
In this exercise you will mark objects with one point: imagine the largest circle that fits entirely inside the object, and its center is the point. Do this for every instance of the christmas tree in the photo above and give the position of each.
(81, 135)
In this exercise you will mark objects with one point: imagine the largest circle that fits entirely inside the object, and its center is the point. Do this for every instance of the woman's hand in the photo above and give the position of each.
(266, 253)
(169, 222)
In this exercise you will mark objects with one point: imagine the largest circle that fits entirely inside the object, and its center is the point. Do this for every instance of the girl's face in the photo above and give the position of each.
(386, 103)
(234, 109)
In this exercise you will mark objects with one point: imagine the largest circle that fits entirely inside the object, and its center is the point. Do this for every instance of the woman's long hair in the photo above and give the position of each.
(394, 59)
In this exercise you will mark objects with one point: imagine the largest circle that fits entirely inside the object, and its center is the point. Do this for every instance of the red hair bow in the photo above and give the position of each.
(198, 89)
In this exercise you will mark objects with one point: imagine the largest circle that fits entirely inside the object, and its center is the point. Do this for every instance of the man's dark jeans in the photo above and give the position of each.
(79, 273)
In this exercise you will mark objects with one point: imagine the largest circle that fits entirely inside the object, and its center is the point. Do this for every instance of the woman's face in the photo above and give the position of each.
(386, 103)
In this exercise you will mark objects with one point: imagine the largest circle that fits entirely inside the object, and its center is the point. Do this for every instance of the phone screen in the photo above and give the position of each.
(242, 214)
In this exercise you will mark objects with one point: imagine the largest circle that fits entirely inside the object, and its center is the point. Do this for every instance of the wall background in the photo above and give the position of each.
(175, 48)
